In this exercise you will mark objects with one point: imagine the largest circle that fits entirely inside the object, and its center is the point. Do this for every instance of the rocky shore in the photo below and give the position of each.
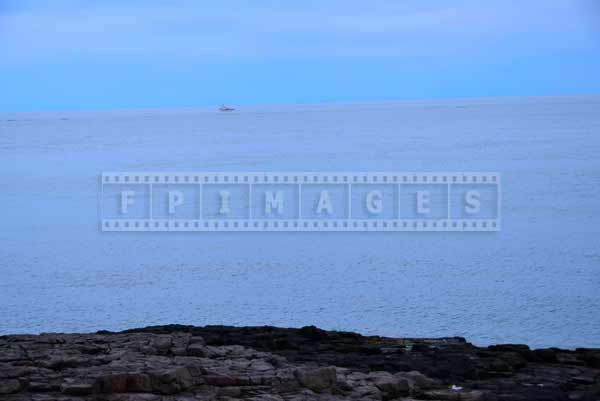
(272, 364)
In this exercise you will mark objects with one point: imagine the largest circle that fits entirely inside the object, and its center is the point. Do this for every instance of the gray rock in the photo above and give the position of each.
(392, 386)
(197, 349)
(317, 379)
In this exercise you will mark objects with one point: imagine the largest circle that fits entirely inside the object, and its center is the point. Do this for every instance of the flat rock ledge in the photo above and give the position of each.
(184, 363)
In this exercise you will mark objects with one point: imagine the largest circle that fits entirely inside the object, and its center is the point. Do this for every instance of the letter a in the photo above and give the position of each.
(324, 203)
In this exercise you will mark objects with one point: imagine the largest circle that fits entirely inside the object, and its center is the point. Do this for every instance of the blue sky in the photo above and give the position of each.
(63, 54)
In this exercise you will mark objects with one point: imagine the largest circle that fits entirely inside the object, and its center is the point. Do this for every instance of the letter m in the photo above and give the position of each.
(273, 202)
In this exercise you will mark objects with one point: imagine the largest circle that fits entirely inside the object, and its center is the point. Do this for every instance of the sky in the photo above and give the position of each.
(114, 54)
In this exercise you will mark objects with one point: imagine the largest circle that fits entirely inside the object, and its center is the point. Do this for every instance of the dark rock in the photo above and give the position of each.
(421, 381)
(43, 387)
(219, 363)
(8, 386)
(591, 357)
(222, 380)
(123, 383)
(569, 358)
(76, 388)
(547, 355)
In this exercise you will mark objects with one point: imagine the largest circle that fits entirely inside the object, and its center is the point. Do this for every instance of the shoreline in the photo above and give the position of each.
(178, 362)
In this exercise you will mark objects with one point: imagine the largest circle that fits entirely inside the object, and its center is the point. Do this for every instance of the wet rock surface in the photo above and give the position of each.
(273, 364)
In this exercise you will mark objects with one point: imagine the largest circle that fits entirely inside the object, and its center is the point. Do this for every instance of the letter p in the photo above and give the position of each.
(175, 199)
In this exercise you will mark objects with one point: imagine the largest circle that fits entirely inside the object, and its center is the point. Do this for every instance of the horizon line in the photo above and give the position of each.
(321, 103)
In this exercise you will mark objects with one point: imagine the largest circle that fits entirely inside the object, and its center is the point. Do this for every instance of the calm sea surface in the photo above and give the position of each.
(537, 281)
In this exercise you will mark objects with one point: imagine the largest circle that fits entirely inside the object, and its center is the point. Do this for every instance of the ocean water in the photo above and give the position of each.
(537, 281)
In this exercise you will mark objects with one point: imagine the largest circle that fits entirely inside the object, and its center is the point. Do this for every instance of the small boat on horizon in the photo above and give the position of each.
(226, 108)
